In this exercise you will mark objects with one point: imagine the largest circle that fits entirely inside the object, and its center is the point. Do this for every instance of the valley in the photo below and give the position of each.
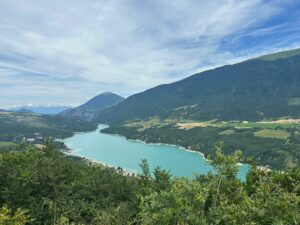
(252, 106)
(127, 112)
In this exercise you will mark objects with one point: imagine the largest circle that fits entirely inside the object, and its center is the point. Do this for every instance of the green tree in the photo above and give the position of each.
(7, 217)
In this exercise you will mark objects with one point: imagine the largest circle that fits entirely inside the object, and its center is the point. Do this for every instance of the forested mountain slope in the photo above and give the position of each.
(262, 88)
(93, 107)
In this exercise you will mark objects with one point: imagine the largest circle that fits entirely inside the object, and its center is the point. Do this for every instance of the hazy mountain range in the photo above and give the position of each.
(50, 110)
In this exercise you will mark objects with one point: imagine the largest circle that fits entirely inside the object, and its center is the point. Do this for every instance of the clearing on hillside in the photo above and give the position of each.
(267, 133)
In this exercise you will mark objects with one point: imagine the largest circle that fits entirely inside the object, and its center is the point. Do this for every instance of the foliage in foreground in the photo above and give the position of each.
(47, 187)
(18, 218)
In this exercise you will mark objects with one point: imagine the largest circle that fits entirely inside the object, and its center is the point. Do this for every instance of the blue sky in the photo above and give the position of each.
(65, 52)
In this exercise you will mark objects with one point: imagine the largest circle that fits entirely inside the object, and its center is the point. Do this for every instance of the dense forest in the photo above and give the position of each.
(46, 186)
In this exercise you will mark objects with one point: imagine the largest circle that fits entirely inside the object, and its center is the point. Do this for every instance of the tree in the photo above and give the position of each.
(7, 217)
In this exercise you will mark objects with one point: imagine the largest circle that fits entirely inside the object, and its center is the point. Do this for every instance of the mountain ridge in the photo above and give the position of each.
(40, 109)
(280, 55)
(22, 110)
(91, 108)
(251, 90)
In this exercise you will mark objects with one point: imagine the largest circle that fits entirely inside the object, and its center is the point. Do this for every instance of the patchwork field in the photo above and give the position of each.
(294, 101)
(142, 125)
(187, 124)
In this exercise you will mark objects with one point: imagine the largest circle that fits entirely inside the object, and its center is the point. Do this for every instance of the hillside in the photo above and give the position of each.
(257, 89)
(17, 127)
(247, 106)
(93, 107)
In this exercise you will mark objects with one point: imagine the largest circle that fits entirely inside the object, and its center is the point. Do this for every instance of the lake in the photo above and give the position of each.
(115, 151)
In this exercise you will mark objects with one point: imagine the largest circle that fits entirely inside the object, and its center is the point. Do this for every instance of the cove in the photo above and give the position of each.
(116, 150)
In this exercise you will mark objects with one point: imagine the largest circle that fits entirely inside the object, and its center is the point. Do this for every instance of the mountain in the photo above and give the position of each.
(24, 111)
(93, 107)
(47, 110)
(262, 88)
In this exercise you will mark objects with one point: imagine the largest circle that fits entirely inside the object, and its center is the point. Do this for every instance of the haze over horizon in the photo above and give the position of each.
(65, 52)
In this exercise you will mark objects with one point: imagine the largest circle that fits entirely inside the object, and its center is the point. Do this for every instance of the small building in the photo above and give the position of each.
(30, 139)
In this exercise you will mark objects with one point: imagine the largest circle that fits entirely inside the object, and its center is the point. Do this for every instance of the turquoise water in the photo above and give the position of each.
(117, 151)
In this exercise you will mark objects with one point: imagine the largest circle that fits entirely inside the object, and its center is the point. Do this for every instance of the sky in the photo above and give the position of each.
(65, 52)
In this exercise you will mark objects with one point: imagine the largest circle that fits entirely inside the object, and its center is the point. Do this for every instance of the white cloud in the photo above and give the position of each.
(65, 51)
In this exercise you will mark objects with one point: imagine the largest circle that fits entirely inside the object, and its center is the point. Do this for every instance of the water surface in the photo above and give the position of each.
(116, 151)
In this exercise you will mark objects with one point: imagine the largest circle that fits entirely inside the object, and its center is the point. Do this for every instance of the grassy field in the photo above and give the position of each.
(261, 125)
(294, 101)
(142, 125)
(5, 144)
(186, 124)
(268, 133)
(227, 132)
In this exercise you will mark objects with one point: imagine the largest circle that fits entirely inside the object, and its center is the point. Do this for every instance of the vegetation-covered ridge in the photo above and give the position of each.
(281, 55)
(44, 186)
(254, 90)
(28, 127)
(89, 110)
(274, 144)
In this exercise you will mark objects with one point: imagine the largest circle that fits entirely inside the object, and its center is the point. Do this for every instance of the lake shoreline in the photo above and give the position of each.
(166, 144)
(159, 143)
(125, 172)
(177, 146)
(178, 163)
(265, 168)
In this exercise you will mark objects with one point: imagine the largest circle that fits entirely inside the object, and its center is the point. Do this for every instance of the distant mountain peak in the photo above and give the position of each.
(91, 108)
(107, 93)
(103, 100)
(39, 109)
(23, 110)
